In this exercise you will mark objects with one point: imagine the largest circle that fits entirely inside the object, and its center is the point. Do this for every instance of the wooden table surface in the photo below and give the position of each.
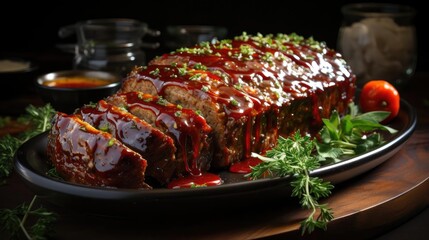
(364, 207)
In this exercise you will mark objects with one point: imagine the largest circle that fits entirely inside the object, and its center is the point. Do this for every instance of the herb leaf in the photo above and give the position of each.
(293, 157)
(296, 156)
(39, 120)
(351, 134)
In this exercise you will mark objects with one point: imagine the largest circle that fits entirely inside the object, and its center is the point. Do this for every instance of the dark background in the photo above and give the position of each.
(33, 26)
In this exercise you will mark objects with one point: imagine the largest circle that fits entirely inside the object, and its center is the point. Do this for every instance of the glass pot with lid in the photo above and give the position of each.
(113, 44)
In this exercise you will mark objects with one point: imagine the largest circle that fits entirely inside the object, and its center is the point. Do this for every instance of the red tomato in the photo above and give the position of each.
(380, 95)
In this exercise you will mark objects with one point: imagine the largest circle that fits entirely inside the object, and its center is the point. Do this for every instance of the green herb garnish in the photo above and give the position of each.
(155, 72)
(111, 142)
(298, 155)
(293, 157)
(39, 120)
(351, 134)
(14, 221)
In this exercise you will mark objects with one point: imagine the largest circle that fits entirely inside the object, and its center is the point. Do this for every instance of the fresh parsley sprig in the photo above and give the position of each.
(297, 155)
(351, 134)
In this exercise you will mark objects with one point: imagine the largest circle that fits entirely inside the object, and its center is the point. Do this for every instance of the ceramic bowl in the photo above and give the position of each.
(68, 90)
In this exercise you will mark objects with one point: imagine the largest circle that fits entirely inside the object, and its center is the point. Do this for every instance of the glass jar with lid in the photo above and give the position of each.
(113, 45)
(378, 40)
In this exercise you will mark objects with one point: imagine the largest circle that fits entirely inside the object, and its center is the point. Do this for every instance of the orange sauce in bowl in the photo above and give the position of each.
(76, 82)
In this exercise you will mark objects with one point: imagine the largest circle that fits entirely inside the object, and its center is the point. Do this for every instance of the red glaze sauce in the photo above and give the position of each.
(202, 180)
(183, 125)
(76, 82)
(245, 165)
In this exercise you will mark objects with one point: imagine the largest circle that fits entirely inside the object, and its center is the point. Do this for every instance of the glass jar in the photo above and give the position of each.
(113, 45)
(379, 41)
(178, 36)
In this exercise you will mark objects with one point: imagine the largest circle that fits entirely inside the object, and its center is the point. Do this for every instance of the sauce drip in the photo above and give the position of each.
(245, 165)
(202, 180)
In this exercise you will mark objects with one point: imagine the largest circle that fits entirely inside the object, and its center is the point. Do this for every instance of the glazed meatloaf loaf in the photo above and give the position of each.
(251, 89)
(210, 106)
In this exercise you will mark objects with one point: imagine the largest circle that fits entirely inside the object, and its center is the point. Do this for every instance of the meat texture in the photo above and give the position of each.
(82, 154)
(155, 146)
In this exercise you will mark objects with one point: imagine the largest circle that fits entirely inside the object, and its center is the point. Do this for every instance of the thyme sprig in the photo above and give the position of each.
(293, 156)
(297, 155)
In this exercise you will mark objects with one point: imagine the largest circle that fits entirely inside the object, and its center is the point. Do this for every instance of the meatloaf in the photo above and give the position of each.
(216, 103)
(83, 154)
(155, 146)
(251, 89)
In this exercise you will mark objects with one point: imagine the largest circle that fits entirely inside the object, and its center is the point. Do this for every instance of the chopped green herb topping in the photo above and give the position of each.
(268, 57)
(104, 127)
(224, 44)
(140, 95)
(193, 185)
(196, 77)
(234, 102)
(162, 101)
(199, 66)
(155, 72)
(243, 37)
(111, 142)
(182, 71)
(237, 86)
(205, 88)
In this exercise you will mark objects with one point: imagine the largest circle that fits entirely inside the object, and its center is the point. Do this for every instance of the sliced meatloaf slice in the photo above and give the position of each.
(155, 146)
(239, 120)
(192, 135)
(83, 154)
